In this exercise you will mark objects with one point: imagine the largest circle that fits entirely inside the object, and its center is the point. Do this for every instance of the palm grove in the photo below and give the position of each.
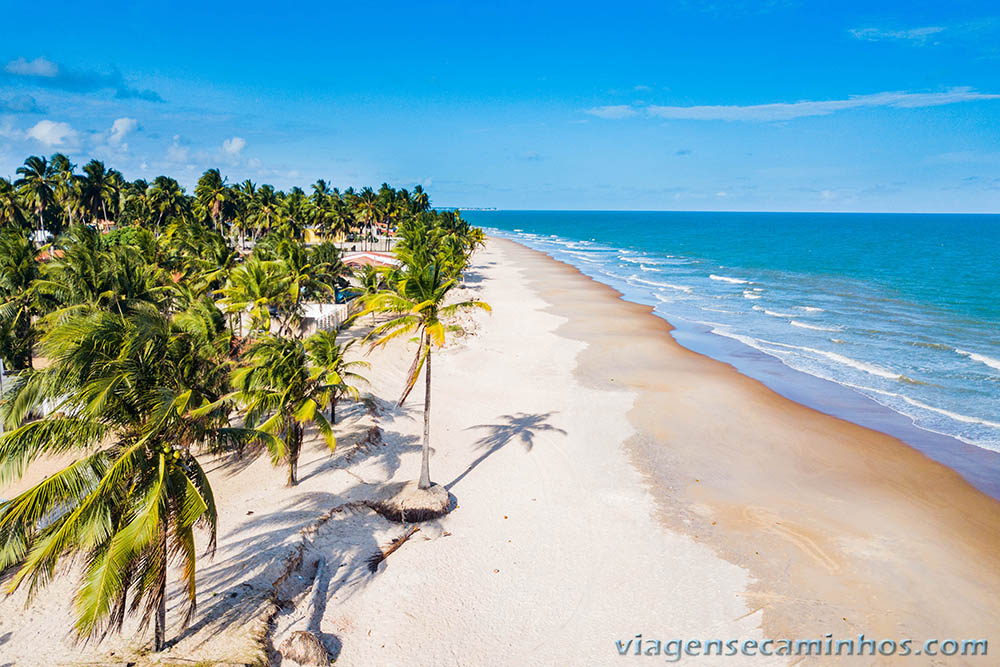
(166, 339)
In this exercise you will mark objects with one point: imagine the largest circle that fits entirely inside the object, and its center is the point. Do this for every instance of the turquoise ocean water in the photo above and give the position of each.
(899, 310)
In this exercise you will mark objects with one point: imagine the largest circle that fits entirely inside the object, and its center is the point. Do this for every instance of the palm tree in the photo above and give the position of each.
(213, 196)
(417, 302)
(10, 207)
(282, 392)
(255, 287)
(82, 275)
(327, 354)
(18, 271)
(166, 198)
(136, 395)
(263, 209)
(245, 194)
(67, 185)
(98, 188)
(35, 186)
(369, 210)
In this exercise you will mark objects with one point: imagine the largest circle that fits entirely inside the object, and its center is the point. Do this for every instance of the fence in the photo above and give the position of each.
(329, 316)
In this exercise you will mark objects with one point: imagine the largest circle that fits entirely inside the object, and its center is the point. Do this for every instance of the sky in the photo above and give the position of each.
(773, 105)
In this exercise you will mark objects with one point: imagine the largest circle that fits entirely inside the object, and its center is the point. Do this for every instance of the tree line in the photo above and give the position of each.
(50, 195)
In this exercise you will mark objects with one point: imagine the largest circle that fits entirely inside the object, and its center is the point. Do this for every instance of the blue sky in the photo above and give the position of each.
(770, 105)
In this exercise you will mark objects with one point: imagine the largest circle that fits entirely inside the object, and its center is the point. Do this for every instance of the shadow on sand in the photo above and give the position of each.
(521, 426)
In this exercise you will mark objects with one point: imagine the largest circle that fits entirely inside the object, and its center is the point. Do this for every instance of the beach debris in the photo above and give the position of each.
(376, 559)
(304, 648)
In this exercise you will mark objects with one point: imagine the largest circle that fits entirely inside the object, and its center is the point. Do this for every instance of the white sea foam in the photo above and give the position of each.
(811, 309)
(747, 294)
(727, 279)
(773, 313)
(656, 283)
(923, 406)
(847, 361)
(814, 327)
(981, 358)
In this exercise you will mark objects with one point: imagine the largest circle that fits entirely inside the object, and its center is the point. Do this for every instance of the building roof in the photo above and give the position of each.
(369, 258)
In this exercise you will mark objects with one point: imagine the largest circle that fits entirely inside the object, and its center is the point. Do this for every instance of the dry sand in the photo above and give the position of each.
(609, 483)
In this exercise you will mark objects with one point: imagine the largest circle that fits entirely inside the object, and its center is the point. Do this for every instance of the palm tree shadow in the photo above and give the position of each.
(519, 426)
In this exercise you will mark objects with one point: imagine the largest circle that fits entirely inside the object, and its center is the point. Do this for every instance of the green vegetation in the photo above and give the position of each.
(171, 327)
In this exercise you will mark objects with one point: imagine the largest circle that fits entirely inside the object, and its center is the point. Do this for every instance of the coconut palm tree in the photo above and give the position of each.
(417, 303)
(213, 196)
(369, 211)
(327, 354)
(244, 195)
(82, 275)
(254, 287)
(98, 190)
(282, 392)
(67, 185)
(137, 396)
(18, 302)
(166, 199)
(263, 210)
(10, 208)
(35, 187)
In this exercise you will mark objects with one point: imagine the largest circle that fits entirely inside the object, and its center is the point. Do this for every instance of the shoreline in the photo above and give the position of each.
(979, 465)
(844, 529)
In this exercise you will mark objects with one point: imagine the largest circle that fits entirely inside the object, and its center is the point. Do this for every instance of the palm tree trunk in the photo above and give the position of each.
(293, 455)
(333, 410)
(160, 628)
(425, 463)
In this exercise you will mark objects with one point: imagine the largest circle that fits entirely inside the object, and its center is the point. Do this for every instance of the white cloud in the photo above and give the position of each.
(176, 152)
(234, 146)
(254, 163)
(641, 88)
(37, 67)
(53, 134)
(612, 111)
(120, 129)
(789, 110)
(915, 35)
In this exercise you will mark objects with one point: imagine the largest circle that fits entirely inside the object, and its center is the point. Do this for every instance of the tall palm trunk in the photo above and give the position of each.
(333, 410)
(160, 628)
(425, 464)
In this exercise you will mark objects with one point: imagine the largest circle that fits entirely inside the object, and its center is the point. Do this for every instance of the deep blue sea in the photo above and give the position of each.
(901, 309)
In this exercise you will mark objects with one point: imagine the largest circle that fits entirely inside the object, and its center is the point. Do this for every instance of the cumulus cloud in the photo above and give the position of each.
(234, 146)
(53, 134)
(612, 111)
(779, 111)
(913, 35)
(47, 74)
(120, 129)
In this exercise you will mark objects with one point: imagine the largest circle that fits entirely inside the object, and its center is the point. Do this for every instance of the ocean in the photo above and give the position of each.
(842, 312)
